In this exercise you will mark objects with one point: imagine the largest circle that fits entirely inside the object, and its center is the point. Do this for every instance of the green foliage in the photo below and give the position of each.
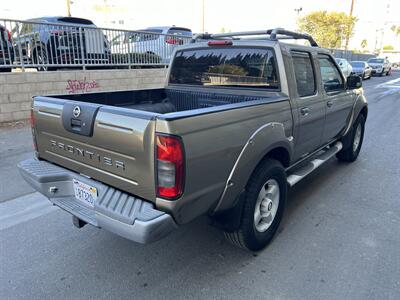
(364, 43)
(388, 47)
(329, 29)
(395, 29)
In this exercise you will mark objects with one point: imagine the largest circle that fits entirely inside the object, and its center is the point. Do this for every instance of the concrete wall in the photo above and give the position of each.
(17, 89)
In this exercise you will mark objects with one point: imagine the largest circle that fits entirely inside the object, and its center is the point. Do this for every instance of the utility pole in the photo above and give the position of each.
(68, 8)
(348, 29)
(202, 17)
(384, 28)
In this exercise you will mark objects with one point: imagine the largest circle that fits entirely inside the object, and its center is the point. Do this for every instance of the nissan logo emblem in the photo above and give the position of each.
(76, 111)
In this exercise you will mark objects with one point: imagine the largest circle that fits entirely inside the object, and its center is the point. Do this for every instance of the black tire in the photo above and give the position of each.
(5, 70)
(247, 236)
(39, 56)
(350, 152)
(363, 76)
(389, 72)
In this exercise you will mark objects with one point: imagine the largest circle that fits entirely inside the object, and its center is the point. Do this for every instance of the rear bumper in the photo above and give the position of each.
(116, 211)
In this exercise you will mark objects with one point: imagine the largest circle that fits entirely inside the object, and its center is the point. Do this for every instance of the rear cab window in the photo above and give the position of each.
(304, 73)
(242, 67)
(330, 74)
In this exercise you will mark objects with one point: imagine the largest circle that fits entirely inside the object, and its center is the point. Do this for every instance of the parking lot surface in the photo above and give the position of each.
(339, 238)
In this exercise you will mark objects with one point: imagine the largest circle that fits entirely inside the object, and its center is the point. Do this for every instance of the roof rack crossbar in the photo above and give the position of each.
(274, 35)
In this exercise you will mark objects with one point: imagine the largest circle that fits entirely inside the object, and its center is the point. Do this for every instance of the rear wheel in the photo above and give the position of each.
(350, 153)
(4, 70)
(40, 58)
(265, 198)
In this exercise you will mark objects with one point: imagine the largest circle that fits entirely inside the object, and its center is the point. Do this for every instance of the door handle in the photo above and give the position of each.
(304, 111)
(329, 103)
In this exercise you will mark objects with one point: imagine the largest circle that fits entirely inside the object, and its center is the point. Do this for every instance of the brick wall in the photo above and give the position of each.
(17, 89)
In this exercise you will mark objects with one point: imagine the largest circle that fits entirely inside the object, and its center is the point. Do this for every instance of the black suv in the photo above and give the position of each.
(52, 42)
(6, 50)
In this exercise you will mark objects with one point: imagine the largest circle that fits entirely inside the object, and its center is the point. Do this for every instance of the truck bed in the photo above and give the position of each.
(112, 138)
(167, 100)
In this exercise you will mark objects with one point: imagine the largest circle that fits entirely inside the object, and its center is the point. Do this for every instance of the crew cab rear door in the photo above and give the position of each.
(310, 104)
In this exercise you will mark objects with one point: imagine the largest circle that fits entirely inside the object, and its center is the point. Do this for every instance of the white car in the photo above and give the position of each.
(156, 42)
(344, 66)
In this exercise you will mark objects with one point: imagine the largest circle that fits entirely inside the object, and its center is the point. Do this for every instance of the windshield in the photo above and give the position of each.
(376, 60)
(242, 67)
(357, 64)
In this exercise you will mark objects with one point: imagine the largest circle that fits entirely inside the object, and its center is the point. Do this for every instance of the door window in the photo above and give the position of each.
(331, 78)
(304, 73)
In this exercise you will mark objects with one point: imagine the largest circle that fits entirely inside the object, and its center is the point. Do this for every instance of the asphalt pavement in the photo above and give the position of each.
(339, 238)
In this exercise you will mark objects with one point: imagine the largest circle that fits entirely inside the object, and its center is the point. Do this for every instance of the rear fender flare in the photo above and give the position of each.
(266, 138)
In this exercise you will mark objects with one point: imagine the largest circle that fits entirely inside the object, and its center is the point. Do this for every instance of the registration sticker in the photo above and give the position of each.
(84, 192)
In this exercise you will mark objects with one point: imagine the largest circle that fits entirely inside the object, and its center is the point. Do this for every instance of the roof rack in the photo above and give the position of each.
(272, 34)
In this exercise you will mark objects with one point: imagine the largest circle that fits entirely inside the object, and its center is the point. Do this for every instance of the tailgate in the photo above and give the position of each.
(110, 144)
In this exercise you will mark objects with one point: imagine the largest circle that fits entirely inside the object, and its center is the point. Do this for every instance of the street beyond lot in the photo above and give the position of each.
(339, 238)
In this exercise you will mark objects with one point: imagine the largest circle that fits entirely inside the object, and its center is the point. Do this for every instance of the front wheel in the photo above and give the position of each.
(265, 198)
(350, 153)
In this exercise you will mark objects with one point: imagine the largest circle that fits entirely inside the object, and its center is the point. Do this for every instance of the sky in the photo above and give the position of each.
(231, 15)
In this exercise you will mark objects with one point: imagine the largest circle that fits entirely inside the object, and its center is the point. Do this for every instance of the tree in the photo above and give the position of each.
(395, 29)
(364, 43)
(388, 47)
(329, 29)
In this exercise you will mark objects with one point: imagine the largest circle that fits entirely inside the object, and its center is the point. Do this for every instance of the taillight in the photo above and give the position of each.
(32, 121)
(9, 35)
(57, 31)
(173, 40)
(170, 166)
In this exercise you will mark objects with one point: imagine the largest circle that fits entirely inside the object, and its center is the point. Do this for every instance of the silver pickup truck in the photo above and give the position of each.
(243, 117)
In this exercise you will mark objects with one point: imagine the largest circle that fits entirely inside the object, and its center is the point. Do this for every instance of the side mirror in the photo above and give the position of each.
(354, 82)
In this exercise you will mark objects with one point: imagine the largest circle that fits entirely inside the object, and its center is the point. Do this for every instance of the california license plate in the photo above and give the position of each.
(85, 193)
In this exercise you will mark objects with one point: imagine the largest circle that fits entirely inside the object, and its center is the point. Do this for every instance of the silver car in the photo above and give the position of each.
(344, 66)
(380, 66)
(362, 69)
(158, 42)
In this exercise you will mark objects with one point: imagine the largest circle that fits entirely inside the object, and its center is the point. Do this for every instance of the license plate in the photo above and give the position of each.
(84, 192)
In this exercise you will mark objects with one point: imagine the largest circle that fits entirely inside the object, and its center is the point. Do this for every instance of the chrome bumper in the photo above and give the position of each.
(116, 211)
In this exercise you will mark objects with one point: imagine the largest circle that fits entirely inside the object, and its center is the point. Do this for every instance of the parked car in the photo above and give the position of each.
(380, 66)
(52, 42)
(362, 69)
(155, 41)
(344, 66)
(239, 121)
(6, 50)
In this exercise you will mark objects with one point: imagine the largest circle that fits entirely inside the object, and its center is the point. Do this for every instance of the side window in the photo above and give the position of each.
(331, 78)
(304, 73)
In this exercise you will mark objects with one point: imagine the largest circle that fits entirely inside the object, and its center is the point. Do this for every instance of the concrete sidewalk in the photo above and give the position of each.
(15, 145)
